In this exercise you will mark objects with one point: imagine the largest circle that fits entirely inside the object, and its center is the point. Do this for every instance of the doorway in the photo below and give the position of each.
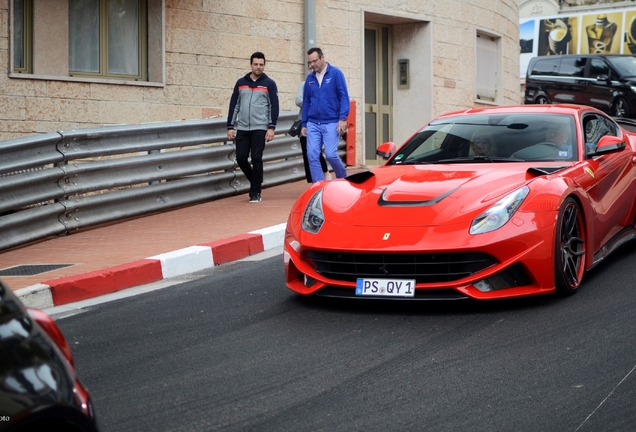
(377, 89)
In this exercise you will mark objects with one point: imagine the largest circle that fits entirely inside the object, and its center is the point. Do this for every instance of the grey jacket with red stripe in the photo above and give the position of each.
(254, 104)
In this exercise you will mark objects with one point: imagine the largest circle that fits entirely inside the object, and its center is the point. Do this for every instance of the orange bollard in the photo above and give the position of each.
(351, 135)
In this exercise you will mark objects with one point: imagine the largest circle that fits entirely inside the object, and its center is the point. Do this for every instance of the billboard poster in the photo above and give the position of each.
(602, 33)
(526, 37)
(629, 46)
(555, 36)
(599, 32)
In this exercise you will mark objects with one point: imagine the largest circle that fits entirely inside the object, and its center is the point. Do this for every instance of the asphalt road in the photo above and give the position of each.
(236, 351)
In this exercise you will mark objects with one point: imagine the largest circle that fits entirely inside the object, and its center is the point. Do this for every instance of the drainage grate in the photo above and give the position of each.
(31, 269)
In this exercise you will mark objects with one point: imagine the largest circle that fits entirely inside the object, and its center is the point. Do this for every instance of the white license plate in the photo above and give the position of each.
(385, 287)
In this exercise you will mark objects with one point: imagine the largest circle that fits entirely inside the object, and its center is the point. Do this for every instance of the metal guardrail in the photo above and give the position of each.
(61, 182)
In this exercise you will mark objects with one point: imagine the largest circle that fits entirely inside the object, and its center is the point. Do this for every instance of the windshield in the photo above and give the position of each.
(492, 138)
(624, 65)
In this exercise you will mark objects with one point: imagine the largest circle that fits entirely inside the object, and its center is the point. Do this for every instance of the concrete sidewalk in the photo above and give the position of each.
(102, 260)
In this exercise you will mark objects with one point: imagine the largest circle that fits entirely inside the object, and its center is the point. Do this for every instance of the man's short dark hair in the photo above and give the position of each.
(315, 50)
(258, 55)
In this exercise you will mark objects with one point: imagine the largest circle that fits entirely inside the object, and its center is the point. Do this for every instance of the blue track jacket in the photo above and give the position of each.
(326, 103)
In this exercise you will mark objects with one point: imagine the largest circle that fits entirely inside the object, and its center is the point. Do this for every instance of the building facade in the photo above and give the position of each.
(72, 64)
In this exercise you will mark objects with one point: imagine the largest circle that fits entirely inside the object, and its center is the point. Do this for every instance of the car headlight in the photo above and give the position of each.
(314, 217)
(500, 212)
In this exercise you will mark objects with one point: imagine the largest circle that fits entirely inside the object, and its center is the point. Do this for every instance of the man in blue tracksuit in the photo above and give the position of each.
(253, 112)
(324, 113)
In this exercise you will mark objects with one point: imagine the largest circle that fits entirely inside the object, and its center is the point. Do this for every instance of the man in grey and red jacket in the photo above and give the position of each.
(251, 121)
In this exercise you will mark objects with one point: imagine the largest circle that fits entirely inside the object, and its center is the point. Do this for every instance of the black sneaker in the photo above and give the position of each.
(254, 198)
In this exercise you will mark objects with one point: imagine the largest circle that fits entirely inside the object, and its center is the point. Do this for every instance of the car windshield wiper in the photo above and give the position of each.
(414, 162)
(478, 159)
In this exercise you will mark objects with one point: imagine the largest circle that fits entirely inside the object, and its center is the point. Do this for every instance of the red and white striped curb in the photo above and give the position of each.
(70, 289)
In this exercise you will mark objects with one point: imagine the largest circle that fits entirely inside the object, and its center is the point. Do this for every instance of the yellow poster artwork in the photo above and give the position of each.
(602, 33)
(630, 33)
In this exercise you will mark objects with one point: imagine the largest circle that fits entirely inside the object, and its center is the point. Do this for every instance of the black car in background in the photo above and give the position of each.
(606, 82)
(39, 390)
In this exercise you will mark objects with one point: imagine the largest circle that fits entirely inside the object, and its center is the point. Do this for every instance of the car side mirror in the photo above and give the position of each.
(386, 150)
(608, 144)
(603, 79)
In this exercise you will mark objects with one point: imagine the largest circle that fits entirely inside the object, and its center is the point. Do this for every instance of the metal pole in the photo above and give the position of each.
(310, 27)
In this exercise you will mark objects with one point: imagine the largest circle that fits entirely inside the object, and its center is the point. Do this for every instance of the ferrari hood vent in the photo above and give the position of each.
(546, 170)
(359, 178)
(422, 203)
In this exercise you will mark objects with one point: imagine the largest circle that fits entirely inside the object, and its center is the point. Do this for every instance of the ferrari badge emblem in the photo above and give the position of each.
(386, 236)
(589, 171)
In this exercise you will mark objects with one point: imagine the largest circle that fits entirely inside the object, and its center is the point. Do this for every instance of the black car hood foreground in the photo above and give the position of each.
(38, 387)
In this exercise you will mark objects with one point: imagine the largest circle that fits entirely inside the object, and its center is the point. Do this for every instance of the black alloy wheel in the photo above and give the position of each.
(542, 100)
(621, 108)
(569, 259)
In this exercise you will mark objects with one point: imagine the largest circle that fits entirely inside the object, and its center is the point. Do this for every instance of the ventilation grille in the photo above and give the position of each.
(424, 268)
(31, 269)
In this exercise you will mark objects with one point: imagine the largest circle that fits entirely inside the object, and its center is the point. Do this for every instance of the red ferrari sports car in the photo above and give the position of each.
(484, 203)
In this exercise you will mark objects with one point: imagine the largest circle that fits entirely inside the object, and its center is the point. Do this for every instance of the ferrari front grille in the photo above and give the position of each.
(423, 267)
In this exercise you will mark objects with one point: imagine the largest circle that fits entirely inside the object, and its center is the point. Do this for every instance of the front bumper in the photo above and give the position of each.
(522, 251)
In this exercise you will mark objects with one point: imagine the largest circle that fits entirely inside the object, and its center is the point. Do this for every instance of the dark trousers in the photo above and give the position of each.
(251, 144)
(323, 162)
